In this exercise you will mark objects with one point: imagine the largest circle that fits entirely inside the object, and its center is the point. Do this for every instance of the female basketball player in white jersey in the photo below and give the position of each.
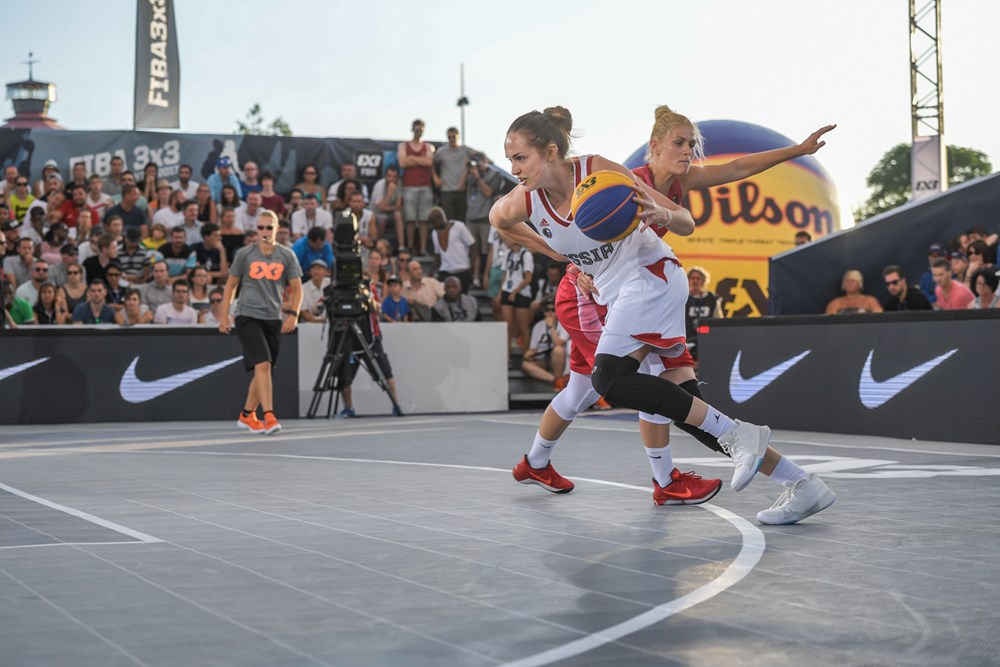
(641, 279)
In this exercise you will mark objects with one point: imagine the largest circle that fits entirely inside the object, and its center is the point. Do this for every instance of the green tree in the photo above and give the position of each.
(889, 180)
(255, 124)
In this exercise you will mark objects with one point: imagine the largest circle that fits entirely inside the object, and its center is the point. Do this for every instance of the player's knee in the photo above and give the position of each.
(691, 387)
(262, 366)
(608, 369)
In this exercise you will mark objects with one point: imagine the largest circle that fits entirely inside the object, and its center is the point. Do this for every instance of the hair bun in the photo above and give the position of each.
(561, 117)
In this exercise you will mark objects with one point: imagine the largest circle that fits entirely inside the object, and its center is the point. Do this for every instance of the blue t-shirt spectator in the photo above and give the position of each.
(395, 311)
(83, 313)
(306, 253)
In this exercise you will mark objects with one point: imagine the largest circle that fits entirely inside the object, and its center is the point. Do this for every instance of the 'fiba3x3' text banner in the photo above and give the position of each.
(157, 66)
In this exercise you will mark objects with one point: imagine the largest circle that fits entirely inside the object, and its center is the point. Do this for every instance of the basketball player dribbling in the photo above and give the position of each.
(641, 280)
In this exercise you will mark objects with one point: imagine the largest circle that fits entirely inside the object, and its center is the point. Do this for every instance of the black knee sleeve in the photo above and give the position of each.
(618, 380)
(707, 439)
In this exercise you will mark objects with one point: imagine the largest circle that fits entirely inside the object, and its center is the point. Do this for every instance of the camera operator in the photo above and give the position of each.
(373, 335)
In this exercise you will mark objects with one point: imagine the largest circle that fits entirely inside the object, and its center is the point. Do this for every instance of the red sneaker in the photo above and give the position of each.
(687, 488)
(547, 477)
(601, 404)
(250, 423)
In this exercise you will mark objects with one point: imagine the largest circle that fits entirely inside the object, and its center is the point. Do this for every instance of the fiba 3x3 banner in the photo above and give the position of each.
(157, 66)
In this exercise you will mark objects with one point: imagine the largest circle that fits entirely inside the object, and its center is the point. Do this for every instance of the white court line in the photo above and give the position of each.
(808, 443)
(750, 554)
(72, 544)
(142, 537)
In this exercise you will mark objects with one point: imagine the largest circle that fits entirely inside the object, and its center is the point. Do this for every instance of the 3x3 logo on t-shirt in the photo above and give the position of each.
(266, 270)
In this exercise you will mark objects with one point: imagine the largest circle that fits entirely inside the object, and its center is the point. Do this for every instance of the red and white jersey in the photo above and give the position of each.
(610, 264)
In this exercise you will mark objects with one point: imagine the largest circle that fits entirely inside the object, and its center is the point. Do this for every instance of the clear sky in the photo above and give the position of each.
(367, 69)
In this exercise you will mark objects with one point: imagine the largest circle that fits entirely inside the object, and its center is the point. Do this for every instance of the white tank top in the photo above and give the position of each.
(610, 264)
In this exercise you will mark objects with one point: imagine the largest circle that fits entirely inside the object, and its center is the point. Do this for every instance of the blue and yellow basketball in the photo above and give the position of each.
(602, 206)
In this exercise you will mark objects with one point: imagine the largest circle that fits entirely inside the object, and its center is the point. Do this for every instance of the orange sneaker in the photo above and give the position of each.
(686, 488)
(270, 424)
(250, 423)
(601, 404)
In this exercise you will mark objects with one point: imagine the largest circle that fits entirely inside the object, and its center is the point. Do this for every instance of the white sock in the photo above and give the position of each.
(786, 471)
(662, 463)
(716, 423)
(541, 451)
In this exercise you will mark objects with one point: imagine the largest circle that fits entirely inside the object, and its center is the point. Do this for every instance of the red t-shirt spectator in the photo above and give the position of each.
(71, 213)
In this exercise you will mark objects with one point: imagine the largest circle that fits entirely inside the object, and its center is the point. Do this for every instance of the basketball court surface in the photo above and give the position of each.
(406, 542)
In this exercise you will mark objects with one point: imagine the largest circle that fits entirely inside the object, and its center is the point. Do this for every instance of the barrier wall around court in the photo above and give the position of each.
(96, 374)
(925, 376)
(439, 367)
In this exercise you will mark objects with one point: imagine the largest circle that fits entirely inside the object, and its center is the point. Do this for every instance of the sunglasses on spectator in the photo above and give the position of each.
(21, 183)
(215, 300)
(41, 270)
(113, 275)
(265, 227)
(892, 282)
(73, 273)
(973, 252)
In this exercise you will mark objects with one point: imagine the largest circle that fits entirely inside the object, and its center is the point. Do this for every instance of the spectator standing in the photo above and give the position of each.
(483, 185)
(450, 171)
(455, 306)
(950, 294)
(985, 282)
(421, 292)
(94, 310)
(177, 311)
(416, 157)
(223, 176)
(493, 275)
(184, 183)
(701, 303)
(901, 297)
(455, 252)
(515, 297)
(854, 300)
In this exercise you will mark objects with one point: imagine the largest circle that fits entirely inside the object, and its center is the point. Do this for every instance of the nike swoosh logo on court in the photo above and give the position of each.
(14, 370)
(874, 393)
(137, 391)
(743, 389)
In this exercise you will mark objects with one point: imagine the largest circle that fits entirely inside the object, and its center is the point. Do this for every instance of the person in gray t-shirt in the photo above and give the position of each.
(262, 272)
(451, 164)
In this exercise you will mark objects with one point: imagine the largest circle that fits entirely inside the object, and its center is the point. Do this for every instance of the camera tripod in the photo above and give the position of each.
(347, 340)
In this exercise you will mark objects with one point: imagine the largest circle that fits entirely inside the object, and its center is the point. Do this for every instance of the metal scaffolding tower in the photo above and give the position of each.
(929, 157)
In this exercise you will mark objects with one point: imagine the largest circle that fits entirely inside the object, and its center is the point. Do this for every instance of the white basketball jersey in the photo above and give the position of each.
(610, 264)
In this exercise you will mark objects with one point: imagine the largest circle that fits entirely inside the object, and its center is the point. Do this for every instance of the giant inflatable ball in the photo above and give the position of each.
(742, 224)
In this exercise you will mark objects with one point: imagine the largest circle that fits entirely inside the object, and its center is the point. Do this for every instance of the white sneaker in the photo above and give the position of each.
(800, 499)
(746, 445)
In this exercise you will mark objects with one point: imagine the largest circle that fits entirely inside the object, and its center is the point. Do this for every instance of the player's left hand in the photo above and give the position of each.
(651, 214)
(585, 284)
(812, 143)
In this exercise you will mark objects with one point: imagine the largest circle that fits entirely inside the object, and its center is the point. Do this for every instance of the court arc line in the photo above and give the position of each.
(750, 553)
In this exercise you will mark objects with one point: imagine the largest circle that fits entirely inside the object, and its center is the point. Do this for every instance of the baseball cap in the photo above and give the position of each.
(936, 248)
(50, 164)
(394, 279)
(959, 255)
(320, 262)
(37, 212)
(69, 249)
(223, 162)
(10, 224)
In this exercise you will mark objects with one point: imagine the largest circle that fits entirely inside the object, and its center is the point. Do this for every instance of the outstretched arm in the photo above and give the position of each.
(748, 165)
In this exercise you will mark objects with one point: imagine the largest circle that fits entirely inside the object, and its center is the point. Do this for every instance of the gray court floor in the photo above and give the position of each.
(406, 542)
